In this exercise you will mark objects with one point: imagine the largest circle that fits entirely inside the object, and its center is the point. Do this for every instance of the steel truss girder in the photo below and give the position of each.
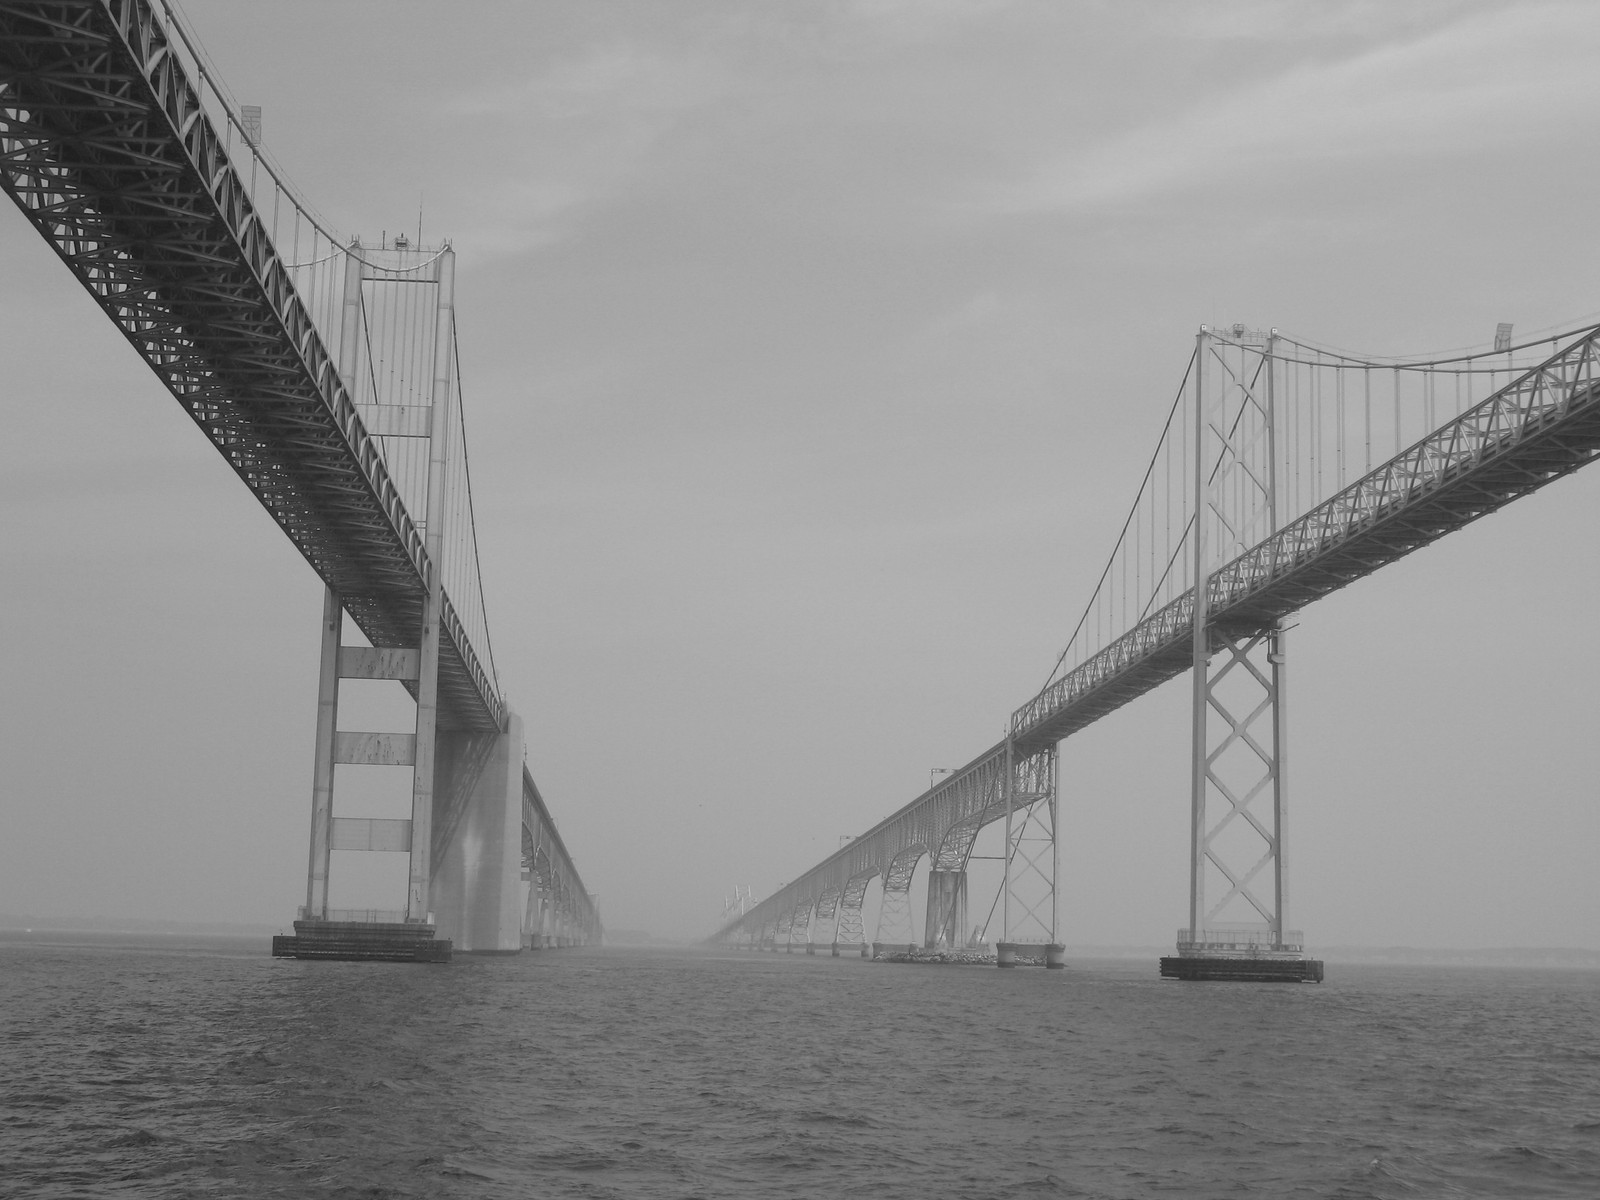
(1543, 425)
(106, 148)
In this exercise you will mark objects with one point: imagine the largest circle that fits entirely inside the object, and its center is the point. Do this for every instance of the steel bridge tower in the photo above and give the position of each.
(462, 838)
(1238, 792)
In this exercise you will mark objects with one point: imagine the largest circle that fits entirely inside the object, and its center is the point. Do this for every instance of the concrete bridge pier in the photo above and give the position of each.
(474, 891)
(947, 909)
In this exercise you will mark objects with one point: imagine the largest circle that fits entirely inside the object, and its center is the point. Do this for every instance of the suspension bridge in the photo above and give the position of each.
(1285, 471)
(325, 372)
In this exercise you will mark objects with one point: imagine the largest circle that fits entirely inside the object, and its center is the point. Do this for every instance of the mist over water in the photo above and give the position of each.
(194, 1067)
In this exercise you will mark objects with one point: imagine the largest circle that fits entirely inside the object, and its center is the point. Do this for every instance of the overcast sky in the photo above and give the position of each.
(811, 354)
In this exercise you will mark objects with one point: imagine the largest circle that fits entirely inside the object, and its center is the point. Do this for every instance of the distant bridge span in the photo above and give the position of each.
(1544, 423)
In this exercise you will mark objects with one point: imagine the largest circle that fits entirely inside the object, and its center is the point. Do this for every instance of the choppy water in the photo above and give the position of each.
(208, 1069)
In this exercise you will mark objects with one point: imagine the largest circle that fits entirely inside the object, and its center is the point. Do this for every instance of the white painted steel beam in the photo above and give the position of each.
(371, 662)
(371, 833)
(375, 749)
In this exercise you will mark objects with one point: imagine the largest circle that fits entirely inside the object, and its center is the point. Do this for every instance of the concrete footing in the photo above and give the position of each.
(1030, 954)
(357, 941)
(1198, 968)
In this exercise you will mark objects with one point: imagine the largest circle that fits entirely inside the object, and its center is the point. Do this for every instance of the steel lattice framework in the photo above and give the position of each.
(106, 147)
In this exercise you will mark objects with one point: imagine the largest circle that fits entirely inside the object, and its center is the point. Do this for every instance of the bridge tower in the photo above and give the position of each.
(1238, 866)
(463, 838)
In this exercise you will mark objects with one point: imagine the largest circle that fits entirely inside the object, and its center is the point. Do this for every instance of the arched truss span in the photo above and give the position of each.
(894, 918)
(854, 895)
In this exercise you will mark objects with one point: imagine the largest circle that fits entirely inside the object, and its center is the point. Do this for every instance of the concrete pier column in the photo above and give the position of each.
(947, 909)
(475, 889)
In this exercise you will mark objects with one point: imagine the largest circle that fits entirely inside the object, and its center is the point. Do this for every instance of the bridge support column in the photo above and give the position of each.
(542, 934)
(947, 909)
(478, 822)
(1238, 785)
(437, 764)
(322, 770)
(1032, 861)
(1238, 886)
(320, 930)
